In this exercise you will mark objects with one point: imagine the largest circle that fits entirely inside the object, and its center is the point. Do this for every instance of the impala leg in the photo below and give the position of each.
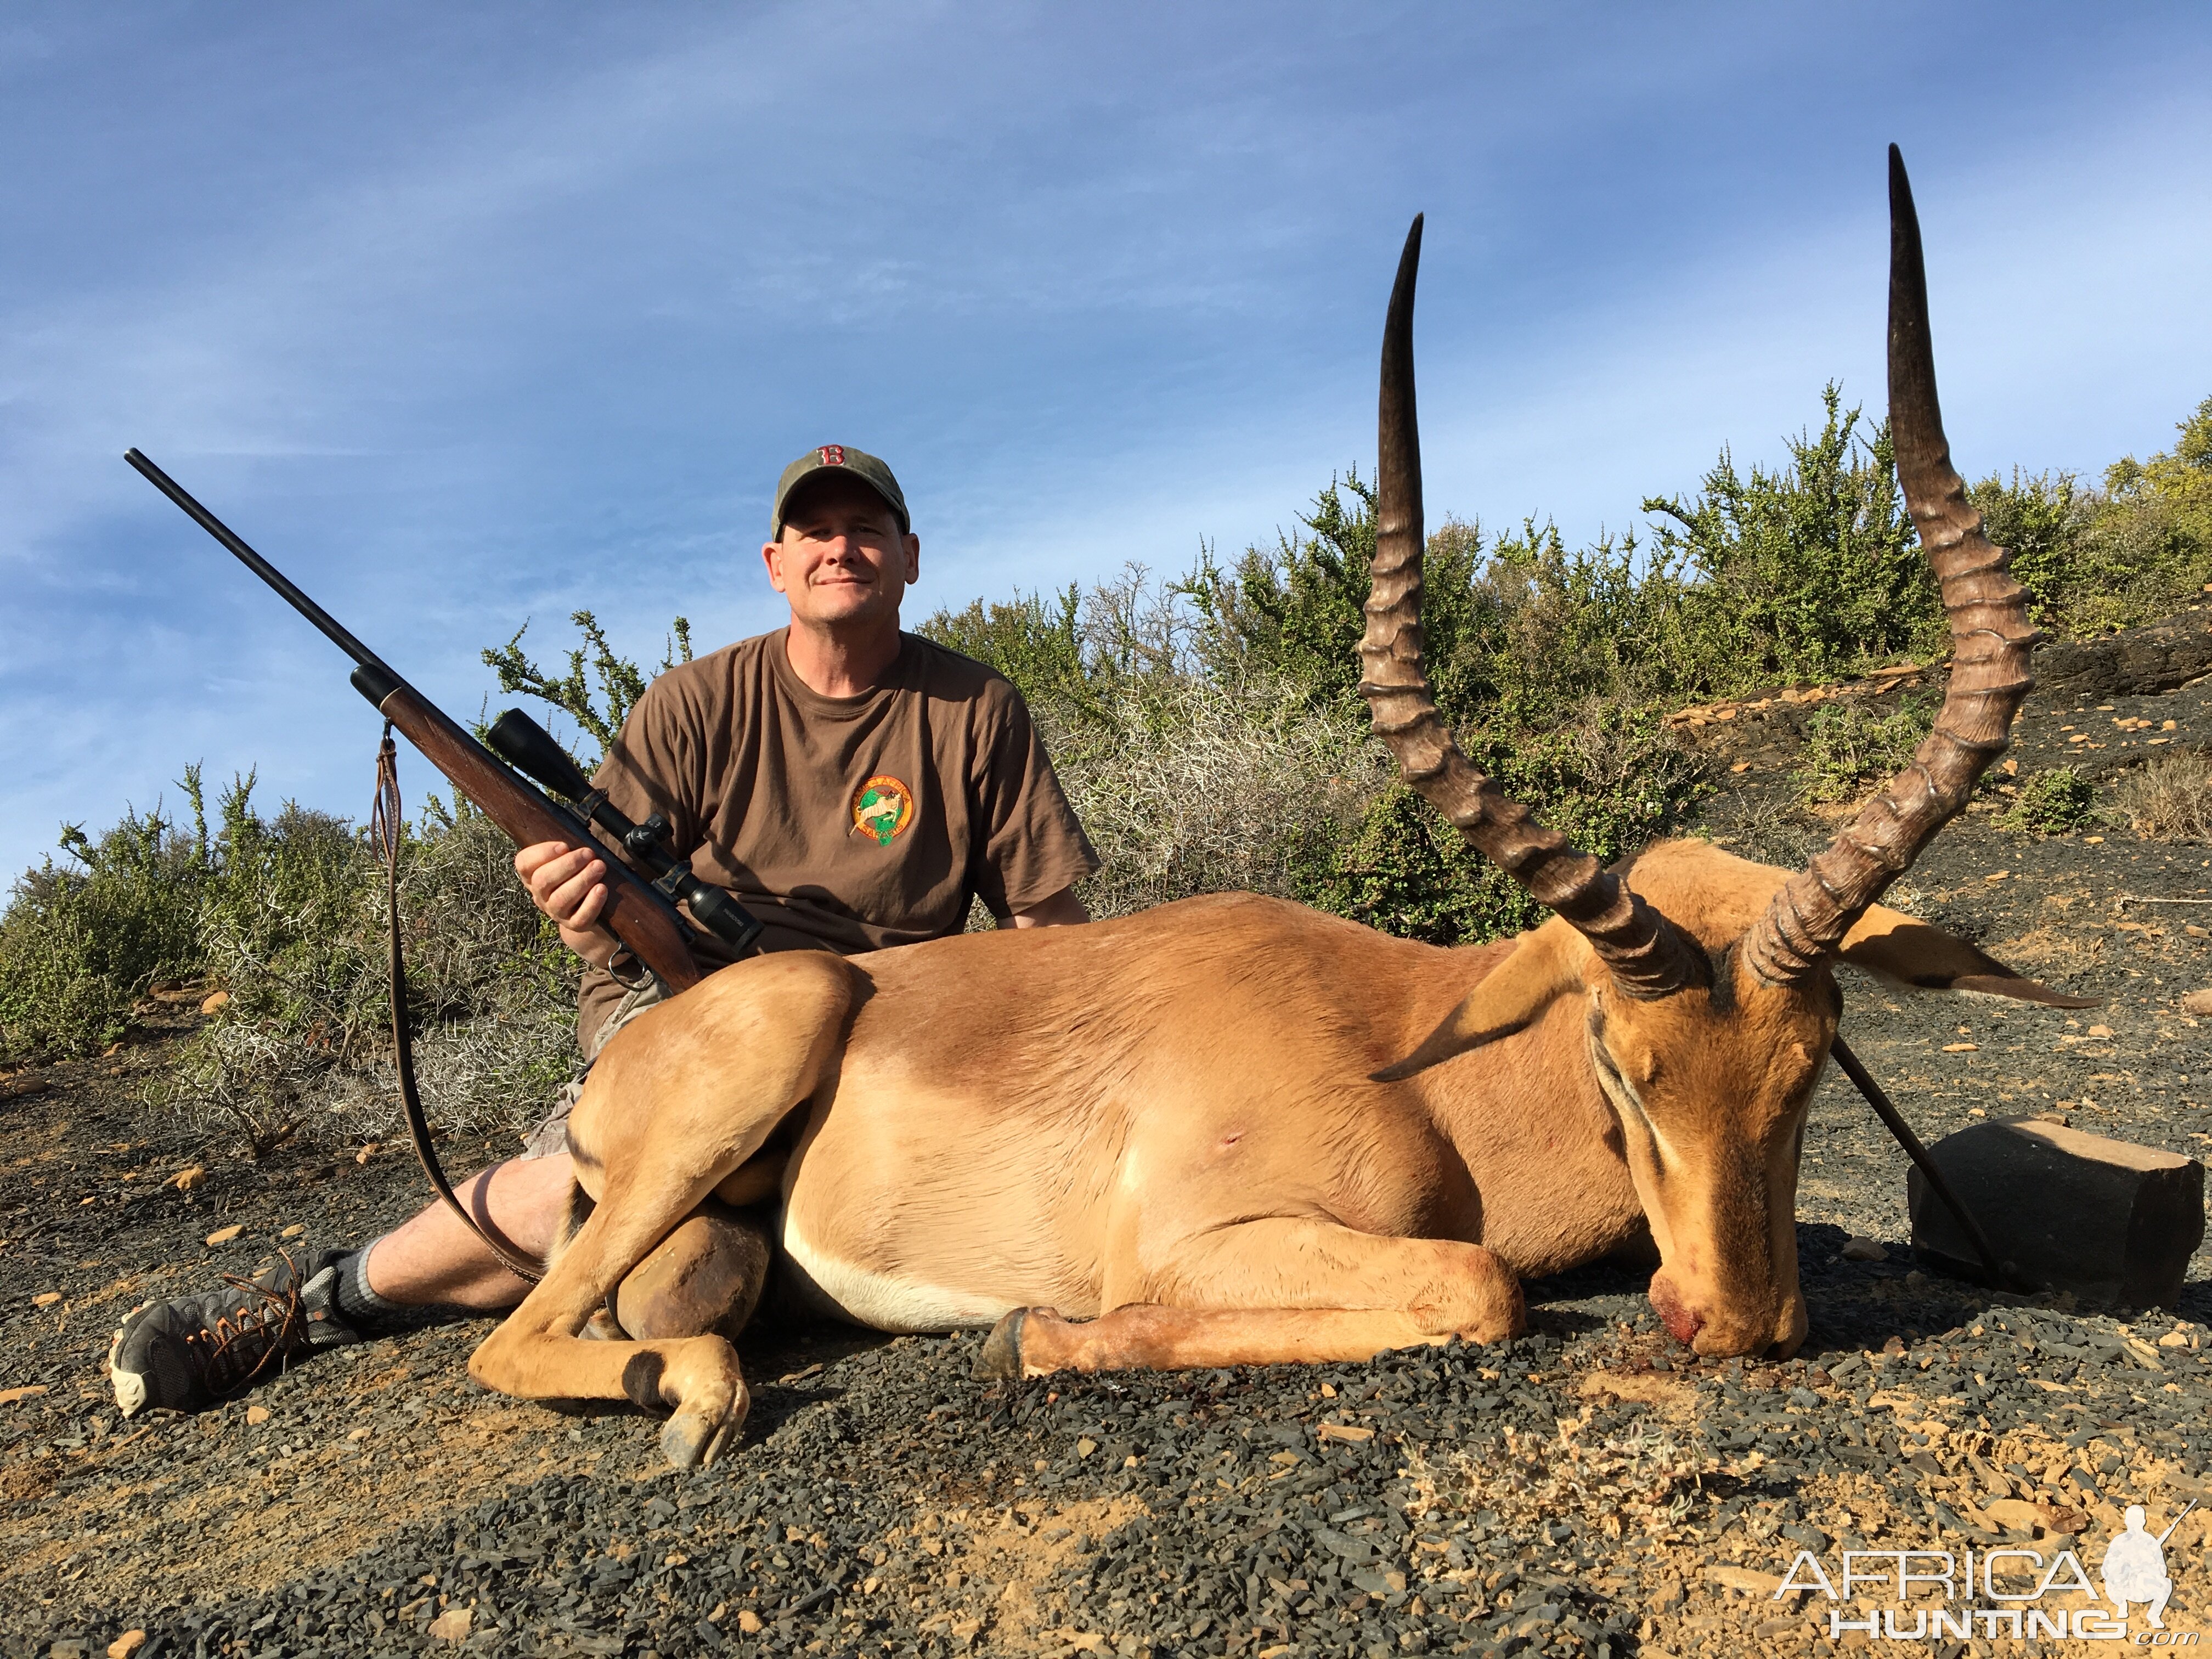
(1279, 1292)
(678, 1102)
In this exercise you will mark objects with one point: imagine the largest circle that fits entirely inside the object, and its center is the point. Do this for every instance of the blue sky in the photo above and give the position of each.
(465, 314)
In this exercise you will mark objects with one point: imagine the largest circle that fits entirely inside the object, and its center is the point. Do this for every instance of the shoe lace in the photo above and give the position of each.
(245, 1341)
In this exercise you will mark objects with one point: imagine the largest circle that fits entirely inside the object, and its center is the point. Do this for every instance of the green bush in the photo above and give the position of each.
(1610, 782)
(293, 924)
(2051, 803)
(81, 941)
(1849, 745)
(1803, 575)
(2095, 559)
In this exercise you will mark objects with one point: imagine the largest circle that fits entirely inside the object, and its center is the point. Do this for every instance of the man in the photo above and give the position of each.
(854, 786)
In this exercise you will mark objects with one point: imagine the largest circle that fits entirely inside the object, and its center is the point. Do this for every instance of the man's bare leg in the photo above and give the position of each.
(433, 1260)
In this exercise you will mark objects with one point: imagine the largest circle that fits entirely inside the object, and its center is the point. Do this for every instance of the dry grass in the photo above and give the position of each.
(2170, 800)
(1210, 789)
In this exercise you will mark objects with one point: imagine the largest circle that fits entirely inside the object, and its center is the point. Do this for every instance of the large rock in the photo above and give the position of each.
(2143, 659)
(2112, 1222)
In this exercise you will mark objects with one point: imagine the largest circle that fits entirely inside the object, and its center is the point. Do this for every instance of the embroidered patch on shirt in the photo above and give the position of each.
(883, 807)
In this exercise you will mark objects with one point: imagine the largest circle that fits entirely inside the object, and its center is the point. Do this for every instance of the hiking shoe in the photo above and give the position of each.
(192, 1352)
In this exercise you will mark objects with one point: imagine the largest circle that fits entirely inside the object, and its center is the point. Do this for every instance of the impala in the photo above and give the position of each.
(1232, 1130)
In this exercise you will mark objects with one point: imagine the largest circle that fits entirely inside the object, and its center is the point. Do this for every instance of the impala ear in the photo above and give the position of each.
(1547, 964)
(1893, 946)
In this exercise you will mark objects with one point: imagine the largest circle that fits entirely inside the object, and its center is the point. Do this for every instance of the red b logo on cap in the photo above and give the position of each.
(832, 454)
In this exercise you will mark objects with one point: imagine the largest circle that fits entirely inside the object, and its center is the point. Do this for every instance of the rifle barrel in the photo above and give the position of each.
(260, 566)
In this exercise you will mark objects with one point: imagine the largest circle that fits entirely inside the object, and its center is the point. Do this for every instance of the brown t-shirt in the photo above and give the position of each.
(844, 823)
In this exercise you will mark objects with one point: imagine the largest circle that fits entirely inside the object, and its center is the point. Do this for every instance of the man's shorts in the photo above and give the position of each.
(551, 1136)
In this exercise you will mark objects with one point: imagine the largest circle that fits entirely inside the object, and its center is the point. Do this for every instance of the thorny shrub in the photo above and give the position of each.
(81, 941)
(2169, 799)
(2051, 803)
(1610, 782)
(2116, 557)
(1850, 745)
(1208, 788)
(293, 924)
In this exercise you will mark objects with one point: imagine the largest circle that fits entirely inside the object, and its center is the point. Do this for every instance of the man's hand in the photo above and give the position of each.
(568, 883)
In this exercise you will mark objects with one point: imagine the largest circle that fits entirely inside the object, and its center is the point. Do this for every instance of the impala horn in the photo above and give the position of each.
(1991, 639)
(1648, 957)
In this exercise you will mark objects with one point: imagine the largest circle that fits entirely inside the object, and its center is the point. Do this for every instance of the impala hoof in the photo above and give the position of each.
(693, 1441)
(1002, 1350)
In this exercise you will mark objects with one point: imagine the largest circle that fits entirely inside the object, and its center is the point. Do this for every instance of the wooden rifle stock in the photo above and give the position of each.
(634, 913)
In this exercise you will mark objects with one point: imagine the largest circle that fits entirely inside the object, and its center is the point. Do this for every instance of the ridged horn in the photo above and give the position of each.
(1991, 639)
(1647, 957)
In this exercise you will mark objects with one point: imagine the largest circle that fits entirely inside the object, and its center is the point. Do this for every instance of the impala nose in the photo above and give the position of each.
(1681, 1323)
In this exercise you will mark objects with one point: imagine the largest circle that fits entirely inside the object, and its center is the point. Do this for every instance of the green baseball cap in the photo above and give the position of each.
(842, 458)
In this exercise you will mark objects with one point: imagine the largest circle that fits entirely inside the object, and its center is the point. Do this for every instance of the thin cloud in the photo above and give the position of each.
(462, 323)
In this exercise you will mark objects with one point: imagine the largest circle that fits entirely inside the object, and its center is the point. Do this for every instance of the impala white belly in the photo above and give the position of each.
(826, 1283)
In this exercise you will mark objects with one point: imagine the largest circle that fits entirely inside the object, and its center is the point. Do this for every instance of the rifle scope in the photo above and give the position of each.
(529, 748)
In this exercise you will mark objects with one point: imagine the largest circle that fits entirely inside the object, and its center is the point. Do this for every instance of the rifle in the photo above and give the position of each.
(641, 914)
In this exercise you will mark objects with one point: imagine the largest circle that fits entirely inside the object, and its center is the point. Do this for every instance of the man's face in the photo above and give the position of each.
(842, 559)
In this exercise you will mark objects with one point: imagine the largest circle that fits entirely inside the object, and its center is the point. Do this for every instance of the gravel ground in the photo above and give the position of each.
(1588, 1488)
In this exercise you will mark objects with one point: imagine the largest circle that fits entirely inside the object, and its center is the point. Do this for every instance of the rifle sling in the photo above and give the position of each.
(385, 831)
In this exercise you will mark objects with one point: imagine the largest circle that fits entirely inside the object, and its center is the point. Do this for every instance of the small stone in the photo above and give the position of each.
(361, 1433)
(255, 1416)
(45, 1298)
(9, 1396)
(1997, 875)
(367, 1152)
(1744, 1579)
(216, 1003)
(2174, 1340)
(294, 1230)
(186, 1181)
(452, 1624)
(224, 1235)
(1863, 1249)
(1960, 1048)
(2093, 840)
(748, 1621)
(1085, 1446)
(1346, 1432)
(2101, 1031)
(126, 1645)
(1741, 766)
